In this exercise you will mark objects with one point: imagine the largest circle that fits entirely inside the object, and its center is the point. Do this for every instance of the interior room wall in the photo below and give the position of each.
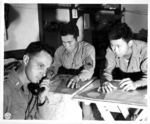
(136, 16)
(50, 16)
(23, 26)
(56, 16)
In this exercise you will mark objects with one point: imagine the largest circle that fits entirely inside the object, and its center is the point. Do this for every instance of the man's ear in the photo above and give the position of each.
(25, 59)
(130, 43)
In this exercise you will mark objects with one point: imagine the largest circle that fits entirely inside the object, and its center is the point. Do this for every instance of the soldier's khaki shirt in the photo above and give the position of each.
(83, 55)
(138, 61)
(15, 99)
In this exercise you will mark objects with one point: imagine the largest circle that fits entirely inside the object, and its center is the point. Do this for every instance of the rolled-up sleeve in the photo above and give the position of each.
(88, 63)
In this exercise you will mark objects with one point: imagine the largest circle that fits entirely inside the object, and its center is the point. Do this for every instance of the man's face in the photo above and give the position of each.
(37, 66)
(69, 42)
(119, 47)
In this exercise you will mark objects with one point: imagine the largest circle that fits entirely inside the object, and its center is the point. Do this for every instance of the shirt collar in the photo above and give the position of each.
(134, 49)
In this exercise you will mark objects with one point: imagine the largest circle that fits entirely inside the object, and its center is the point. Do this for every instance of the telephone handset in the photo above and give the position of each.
(35, 88)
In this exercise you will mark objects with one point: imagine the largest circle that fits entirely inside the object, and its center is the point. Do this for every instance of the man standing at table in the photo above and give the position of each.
(76, 58)
(126, 60)
(20, 98)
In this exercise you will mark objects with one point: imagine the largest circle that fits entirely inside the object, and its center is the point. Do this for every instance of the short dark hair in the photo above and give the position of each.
(120, 30)
(37, 46)
(69, 28)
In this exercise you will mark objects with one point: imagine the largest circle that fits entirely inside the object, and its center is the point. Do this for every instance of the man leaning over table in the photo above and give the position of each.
(125, 57)
(76, 58)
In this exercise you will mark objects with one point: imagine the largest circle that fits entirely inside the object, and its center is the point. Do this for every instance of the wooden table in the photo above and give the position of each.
(116, 101)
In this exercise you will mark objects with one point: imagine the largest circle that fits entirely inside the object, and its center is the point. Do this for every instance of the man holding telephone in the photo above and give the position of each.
(21, 97)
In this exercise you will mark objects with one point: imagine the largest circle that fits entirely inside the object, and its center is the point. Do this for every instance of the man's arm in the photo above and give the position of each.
(57, 61)
(144, 67)
(89, 64)
(106, 85)
(110, 65)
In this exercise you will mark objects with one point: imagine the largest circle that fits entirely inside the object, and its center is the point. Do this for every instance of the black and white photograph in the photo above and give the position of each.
(75, 62)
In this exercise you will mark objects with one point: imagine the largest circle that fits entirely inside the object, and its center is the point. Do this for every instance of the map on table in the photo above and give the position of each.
(117, 96)
(59, 85)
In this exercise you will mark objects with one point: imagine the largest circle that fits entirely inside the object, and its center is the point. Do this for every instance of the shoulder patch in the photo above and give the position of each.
(88, 63)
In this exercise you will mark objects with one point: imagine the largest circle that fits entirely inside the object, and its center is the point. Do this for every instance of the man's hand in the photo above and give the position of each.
(46, 84)
(73, 83)
(106, 87)
(51, 72)
(127, 84)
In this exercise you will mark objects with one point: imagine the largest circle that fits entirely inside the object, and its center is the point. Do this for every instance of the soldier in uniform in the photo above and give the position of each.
(21, 101)
(126, 60)
(76, 58)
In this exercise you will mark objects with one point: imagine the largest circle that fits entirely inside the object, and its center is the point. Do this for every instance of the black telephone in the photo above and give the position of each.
(35, 88)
